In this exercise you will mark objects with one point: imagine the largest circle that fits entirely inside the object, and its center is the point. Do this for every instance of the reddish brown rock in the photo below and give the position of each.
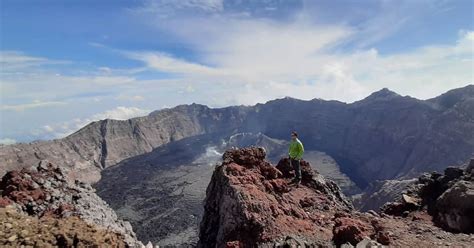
(251, 202)
(233, 244)
(5, 201)
(350, 230)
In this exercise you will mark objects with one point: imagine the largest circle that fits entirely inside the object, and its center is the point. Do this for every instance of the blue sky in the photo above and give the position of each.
(66, 63)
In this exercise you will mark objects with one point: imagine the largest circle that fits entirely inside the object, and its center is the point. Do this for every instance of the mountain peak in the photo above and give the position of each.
(383, 93)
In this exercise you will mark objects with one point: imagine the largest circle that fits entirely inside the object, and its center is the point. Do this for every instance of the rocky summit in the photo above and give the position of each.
(250, 203)
(42, 200)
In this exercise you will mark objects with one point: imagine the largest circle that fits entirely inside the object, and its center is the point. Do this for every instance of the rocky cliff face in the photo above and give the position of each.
(45, 194)
(250, 203)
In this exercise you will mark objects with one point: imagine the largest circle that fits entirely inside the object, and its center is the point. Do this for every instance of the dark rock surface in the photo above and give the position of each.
(449, 198)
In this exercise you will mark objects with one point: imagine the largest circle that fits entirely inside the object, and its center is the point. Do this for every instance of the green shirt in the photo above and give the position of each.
(296, 149)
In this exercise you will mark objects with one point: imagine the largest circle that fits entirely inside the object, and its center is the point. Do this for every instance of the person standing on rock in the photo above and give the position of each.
(295, 153)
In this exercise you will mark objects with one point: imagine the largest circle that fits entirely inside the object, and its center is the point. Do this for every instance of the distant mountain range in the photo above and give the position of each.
(167, 156)
(383, 136)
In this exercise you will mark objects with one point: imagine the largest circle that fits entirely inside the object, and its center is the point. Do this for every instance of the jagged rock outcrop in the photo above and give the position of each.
(44, 191)
(175, 184)
(449, 198)
(250, 203)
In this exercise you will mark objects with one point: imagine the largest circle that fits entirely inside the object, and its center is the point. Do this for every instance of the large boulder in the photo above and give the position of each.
(456, 207)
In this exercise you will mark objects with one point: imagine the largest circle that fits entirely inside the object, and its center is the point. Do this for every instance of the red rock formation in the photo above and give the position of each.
(250, 203)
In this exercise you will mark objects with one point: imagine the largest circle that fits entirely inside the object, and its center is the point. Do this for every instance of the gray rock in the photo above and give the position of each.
(470, 167)
(347, 245)
(47, 184)
(368, 243)
(43, 165)
(373, 213)
(35, 185)
(456, 207)
(452, 173)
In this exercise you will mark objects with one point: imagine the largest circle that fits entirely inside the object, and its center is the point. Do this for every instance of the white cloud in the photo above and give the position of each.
(29, 84)
(7, 141)
(256, 60)
(130, 98)
(167, 63)
(11, 61)
(59, 130)
(33, 105)
(120, 113)
(166, 8)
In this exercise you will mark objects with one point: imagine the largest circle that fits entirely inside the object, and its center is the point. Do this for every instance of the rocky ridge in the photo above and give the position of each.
(43, 194)
(250, 203)
(448, 197)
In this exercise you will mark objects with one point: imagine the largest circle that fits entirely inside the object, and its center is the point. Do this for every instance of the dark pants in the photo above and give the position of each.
(296, 166)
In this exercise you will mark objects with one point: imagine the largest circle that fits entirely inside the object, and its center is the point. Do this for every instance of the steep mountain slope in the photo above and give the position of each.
(104, 143)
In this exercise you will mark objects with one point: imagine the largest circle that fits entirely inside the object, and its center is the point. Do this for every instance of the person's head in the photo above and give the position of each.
(294, 135)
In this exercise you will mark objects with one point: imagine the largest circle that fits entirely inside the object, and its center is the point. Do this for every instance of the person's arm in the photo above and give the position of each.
(300, 150)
